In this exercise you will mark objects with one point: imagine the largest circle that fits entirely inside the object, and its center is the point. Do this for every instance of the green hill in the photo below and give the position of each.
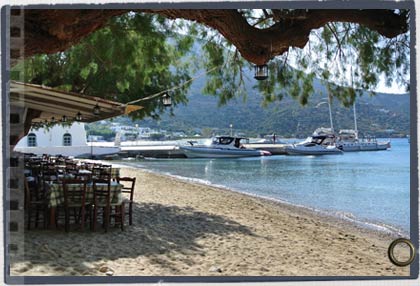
(382, 115)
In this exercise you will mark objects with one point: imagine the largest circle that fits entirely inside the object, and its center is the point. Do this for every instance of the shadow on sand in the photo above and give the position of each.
(157, 230)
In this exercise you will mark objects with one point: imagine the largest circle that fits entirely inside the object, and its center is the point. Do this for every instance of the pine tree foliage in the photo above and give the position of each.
(138, 54)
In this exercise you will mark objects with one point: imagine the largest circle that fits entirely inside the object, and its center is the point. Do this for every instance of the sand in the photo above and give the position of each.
(184, 228)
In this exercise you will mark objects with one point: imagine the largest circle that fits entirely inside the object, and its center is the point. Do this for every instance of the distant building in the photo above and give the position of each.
(57, 135)
(95, 138)
(179, 134)
(62, 140)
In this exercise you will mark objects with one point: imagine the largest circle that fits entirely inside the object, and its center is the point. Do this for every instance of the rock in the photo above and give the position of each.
(103, 269)
(109, 273)
(215, 269)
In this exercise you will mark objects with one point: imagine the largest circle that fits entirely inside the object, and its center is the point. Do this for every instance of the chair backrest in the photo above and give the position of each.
(71, 170)
(33, 192)
(47, 165)
(27, 193)
(96, 171)
(128, 185)
(101, 191)
(103, 172)
(36, 171)
(49, 173)
(71, 165)
(84, 177)
(86, 166)
(74, 192)
(30, 193)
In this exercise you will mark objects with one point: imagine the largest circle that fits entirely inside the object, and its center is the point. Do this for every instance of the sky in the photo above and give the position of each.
(393, 89)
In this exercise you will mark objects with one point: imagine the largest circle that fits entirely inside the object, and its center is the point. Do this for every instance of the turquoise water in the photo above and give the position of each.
(368, 187)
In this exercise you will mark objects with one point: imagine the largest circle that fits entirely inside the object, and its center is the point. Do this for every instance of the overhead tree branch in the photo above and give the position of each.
(49, 31)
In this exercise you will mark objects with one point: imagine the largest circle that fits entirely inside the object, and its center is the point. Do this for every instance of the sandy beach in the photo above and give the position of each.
(183, 228)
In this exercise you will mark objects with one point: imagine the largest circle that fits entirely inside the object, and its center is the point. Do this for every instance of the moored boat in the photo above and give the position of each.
(348, 141)
(223, 147)
(315, 145)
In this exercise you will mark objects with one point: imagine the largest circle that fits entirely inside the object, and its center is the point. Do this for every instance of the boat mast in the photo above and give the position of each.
(354, 107)
(329, 108)
(355, 121)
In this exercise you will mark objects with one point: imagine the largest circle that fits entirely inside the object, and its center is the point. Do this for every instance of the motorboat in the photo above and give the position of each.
(223, 147)
(315, 145)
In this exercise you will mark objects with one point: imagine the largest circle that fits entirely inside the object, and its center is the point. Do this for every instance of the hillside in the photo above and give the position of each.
(376, 115)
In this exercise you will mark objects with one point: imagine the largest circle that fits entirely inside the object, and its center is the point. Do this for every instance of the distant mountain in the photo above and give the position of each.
(382, 115)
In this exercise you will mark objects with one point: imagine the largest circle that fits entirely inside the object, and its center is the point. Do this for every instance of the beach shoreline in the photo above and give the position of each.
(187, 228)
(360, 225)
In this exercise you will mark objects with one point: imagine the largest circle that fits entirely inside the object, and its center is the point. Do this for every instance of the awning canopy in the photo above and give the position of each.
(56, 103)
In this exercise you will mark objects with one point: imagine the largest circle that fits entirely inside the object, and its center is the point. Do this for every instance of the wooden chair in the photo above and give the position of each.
(75, 199)
(60, 169)
(96, 172)
(86, 166)
(36, 171)
(70, 164)
(49, 174)
(71, 170)
(84, 177)
(102, 200)
(128, 188)
(35, 203)
(102, 172)
(46, 166)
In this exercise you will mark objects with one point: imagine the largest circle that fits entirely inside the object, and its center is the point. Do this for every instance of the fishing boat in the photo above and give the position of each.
(223, 147)
(315, 145)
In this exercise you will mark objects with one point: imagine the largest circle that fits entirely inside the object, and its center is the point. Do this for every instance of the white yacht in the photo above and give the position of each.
(223, 147)
(348, 141)
(63, 140)
(315, 145)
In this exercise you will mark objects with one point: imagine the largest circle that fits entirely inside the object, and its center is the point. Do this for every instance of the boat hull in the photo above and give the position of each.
(364, 146)
(297, 150)
(203, 152)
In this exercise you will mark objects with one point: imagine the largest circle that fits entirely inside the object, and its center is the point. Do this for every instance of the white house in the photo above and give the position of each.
(64, 140)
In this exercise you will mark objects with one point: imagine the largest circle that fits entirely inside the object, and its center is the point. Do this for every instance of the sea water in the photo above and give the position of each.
(368, 187)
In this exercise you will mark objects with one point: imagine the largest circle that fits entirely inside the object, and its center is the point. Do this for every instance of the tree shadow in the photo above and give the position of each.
(158, 231)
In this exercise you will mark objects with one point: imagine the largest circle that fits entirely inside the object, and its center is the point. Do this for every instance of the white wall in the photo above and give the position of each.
(54, 136)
